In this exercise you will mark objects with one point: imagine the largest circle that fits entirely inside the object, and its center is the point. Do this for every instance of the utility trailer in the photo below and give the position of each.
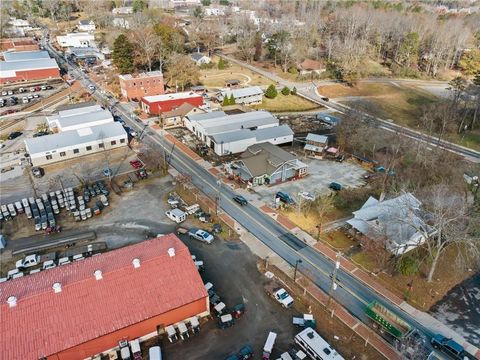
(389, 325)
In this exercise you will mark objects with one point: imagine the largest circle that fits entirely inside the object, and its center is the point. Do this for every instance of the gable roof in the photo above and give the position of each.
(86, 22)
(182, 110)
(264, 158)
(317, 138)
(309, 65)
(44, 323)
(242, 92)
(259, 135)
(197, 56)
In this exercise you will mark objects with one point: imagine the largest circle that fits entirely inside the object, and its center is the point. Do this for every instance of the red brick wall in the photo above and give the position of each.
(32, 75)
(168, 105)
(139, 87)
(143, 328)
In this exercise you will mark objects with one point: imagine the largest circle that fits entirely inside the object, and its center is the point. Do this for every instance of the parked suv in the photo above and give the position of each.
(448, 346)
(284, 197)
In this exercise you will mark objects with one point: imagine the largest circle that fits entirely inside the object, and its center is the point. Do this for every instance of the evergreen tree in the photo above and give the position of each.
(122, 54)
(226, 101)
(286, 91)
(271, 92)
(232, 100)
(221, 64)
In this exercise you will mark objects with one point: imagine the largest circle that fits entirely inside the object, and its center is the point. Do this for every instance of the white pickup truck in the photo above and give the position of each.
(201, 235)
(28, 261)
(280, 295)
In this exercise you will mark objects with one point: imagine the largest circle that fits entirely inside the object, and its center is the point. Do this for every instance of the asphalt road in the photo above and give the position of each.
(351, 293)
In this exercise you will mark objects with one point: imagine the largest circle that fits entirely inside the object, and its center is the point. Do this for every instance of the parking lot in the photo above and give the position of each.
(321, 174)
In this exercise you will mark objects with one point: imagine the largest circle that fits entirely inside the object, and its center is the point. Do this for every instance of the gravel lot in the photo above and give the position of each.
(321, 174)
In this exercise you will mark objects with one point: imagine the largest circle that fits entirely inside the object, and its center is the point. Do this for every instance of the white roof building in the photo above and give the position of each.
(124, 10)
(81, 39)
(86, 25)
(25, 55)
(246, 96)
(78, 118)
(70, 144)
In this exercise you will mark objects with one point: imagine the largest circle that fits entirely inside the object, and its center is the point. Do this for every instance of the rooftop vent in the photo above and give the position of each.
(57, 287)
(12, 301)
(171, 252)
(98, 274)
(136, 263)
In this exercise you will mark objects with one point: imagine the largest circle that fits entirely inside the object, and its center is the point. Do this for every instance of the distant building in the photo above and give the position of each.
(308, 67)
(88, 54)
(200, 59)
(396, 222)
(175, 118)
(232, 83)
(124, 10)
(315, 144)
(211, 11)
(82, 39)
(27, 66)
(245, 96)
(121, 23)
(81, 131)
(129, 293)
(86, 25)
(266, 163)
(159, 104)
(134, 87)
(232, 134)
(18, 44)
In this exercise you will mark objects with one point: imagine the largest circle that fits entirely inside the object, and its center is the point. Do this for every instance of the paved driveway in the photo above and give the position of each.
(321, 174)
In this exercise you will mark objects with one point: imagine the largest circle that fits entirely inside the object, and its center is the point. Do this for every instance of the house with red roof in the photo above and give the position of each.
(85, 308)
(159, 104)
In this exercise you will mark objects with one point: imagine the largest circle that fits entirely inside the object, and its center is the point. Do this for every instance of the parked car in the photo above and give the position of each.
(91, 87)
(14, 135)
(240, 199)
(284, 197)
(136, 164)
(448, 346)
(28, 261)
(107, 172)
(335, 186)
(306, 195)
(201, 235)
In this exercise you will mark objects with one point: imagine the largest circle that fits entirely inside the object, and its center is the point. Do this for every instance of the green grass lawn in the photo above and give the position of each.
(287, 103)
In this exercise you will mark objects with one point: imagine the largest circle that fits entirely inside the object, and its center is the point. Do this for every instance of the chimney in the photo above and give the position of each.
(171, 252)
(12, 301)
(57, 287)
(98, 274)
(136, 263)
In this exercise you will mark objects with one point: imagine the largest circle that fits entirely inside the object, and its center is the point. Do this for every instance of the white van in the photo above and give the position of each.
(176, 215)
(155, 353)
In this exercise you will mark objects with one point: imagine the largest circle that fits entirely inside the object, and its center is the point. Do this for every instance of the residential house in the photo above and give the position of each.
(309, 67)
(267, 164)
(86, 25)
(399, 222)
(211, 11)
(123, 10)
(121, 23)
(315, 144)
(134, 87)
(175, 118)
(245, 96)
(200, 59)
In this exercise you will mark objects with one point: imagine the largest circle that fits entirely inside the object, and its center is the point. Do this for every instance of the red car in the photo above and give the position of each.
(136, 164)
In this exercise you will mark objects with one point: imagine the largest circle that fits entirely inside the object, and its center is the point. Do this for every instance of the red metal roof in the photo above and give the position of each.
(44, 323)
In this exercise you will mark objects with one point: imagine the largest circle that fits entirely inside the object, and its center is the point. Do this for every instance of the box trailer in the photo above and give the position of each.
(388, 321)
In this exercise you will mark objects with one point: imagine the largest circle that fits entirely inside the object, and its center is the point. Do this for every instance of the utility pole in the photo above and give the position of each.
(333, 284)
(299, 261)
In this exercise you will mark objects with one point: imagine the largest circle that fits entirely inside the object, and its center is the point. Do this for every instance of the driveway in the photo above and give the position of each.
(321, 174)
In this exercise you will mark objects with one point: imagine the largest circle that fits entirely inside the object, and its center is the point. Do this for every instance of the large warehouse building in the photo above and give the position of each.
(27, 66)
(82, 131)
(85, 308)
(232, 134)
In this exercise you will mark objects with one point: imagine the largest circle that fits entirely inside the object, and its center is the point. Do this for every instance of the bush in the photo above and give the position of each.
(286, 91)
(293, 70)
(294, 91)
(221, 64)
(407, 265)
(271, 92)
(210, 65)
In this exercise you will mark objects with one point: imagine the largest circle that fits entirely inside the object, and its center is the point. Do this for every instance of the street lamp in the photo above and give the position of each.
(299, 261)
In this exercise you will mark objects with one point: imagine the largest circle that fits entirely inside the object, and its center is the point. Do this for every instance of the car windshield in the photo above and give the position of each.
(205, 235)
(283, 295)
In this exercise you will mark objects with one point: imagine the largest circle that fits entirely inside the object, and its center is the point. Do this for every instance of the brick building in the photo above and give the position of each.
(134, 87)
(27, 69)
(85, 308)
(18, 44)
(162, 103)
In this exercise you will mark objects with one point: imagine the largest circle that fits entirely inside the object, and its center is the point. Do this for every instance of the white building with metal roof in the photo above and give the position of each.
(231, 134)
(25, 55)
(80, 39)
(74, 119)
(71, 144)
(246, 96)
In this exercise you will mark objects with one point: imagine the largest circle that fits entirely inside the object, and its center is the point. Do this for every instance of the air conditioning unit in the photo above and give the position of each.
(123, 343)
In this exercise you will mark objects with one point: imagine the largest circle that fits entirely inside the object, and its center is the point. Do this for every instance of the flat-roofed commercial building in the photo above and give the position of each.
(27, 66)
(79, 118)
(80, 39)
(144, 84)
(71, 144)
